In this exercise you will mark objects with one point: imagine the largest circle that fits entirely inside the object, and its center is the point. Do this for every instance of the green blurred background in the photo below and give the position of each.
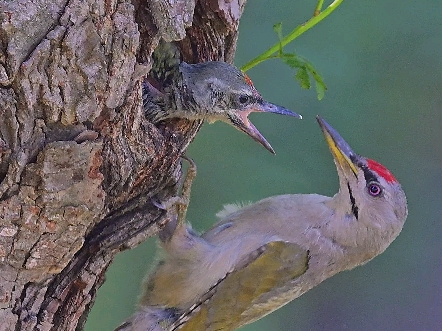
(382, 63)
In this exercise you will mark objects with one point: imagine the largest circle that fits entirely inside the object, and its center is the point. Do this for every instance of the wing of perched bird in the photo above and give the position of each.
(244, 289)
(259, 257)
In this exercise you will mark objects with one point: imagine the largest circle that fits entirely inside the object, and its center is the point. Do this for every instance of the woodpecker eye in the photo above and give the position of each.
(374, 189)
(244, 99)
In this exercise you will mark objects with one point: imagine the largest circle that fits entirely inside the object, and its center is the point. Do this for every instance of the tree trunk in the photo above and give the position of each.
(79, 163)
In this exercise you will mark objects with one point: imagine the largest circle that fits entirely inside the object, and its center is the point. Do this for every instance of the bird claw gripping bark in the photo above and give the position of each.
(176, 206)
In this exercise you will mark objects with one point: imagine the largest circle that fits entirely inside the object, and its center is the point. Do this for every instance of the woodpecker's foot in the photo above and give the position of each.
(169, 203)
(181, 202)
(188, 179)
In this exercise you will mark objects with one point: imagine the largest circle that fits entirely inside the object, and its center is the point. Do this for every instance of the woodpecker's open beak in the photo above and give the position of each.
(241, 121)
(342, 152)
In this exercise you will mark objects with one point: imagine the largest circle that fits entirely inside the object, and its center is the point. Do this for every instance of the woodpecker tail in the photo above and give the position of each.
(149, 319)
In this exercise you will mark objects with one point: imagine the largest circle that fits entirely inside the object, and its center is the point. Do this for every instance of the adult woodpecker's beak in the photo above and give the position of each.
(342, 152)
(241, 121)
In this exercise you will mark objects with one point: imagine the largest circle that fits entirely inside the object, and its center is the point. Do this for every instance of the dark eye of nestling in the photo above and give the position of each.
(374, 189)
(244, 98)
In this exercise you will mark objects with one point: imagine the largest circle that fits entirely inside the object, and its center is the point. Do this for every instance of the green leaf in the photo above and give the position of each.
(303, 78)
(278, 29)
(320, 85)
(292, 60)
(305, 69)
(320, 89)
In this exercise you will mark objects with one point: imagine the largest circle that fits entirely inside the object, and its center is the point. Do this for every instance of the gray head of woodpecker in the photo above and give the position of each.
(211, 91)
(369, 193)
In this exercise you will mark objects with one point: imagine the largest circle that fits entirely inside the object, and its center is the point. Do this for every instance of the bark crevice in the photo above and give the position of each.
(79, 162)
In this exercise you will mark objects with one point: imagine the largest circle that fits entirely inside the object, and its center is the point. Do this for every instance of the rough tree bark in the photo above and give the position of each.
(79, 163)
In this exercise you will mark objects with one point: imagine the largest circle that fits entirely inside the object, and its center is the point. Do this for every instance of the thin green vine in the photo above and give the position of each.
(303, 66)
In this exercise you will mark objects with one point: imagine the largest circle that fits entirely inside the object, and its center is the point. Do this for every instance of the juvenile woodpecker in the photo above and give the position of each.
(259, 257)
(209, 91)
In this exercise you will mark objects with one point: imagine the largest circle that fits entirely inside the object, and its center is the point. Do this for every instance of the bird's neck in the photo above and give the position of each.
(176, 101)
(181, 103)
(361, 238)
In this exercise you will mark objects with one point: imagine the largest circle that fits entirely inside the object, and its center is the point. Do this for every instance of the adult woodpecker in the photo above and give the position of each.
(209, 91)
(261, 256)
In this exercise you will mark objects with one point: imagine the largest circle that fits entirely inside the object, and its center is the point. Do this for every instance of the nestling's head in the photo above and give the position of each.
(224, 93)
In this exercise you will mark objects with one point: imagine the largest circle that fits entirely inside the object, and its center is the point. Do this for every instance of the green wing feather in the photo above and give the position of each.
(243, 295)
